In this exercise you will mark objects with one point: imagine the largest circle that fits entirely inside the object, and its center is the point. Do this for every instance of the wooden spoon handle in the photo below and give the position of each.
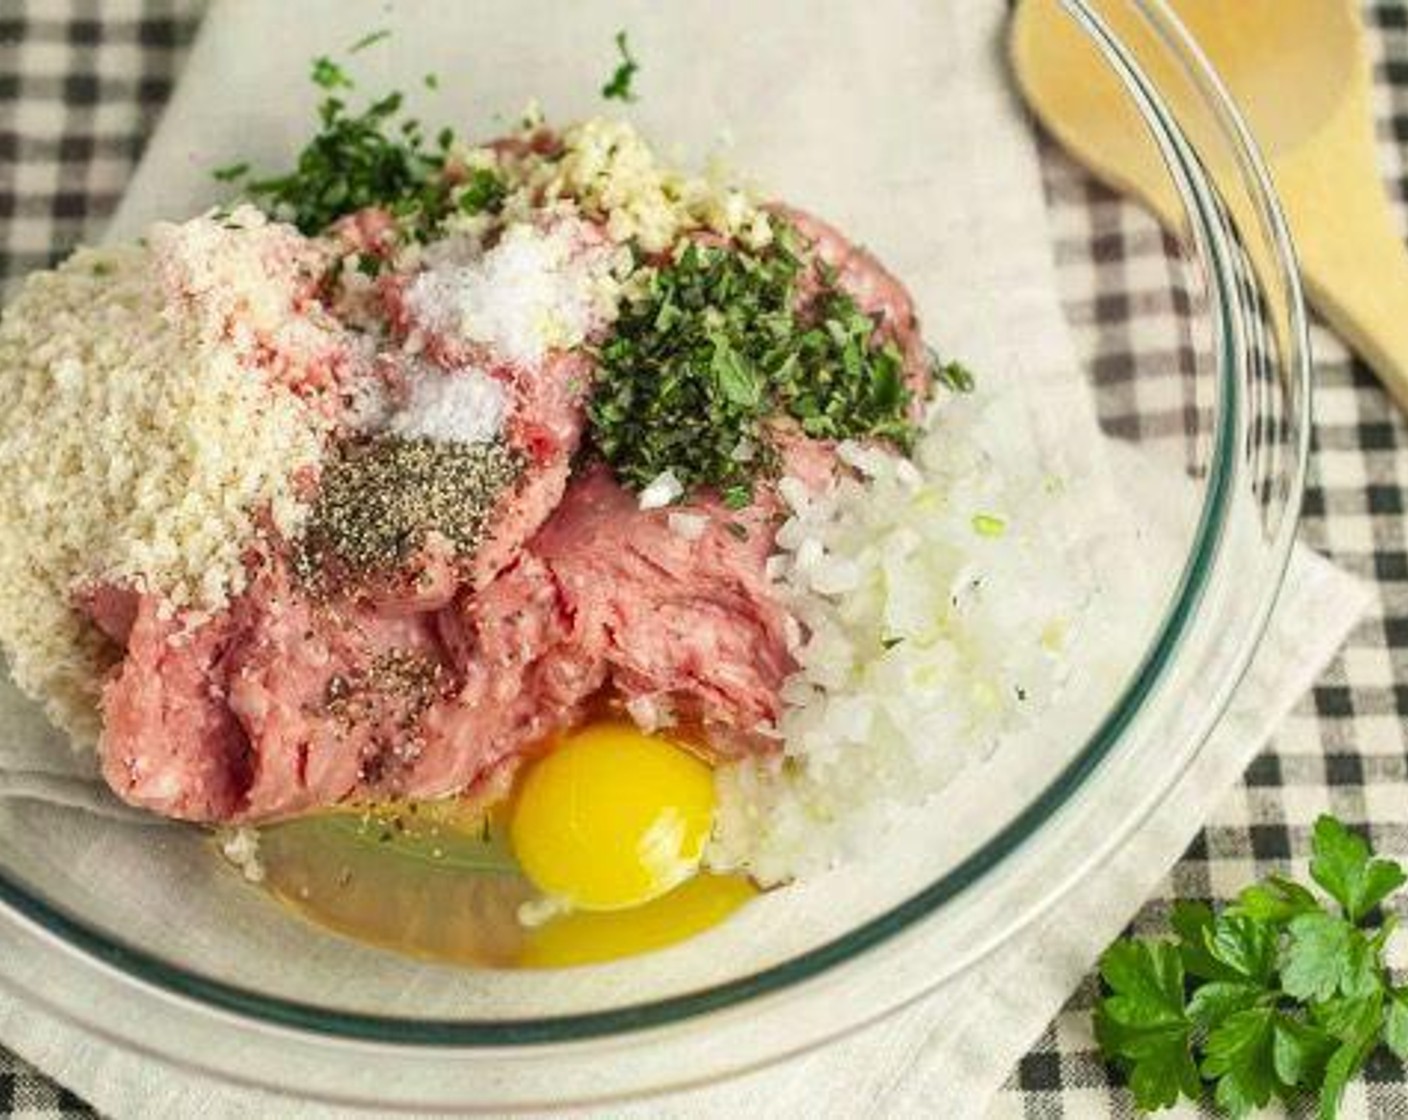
(1360, 286)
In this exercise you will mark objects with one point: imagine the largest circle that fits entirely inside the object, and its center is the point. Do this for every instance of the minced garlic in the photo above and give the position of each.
(611, 173)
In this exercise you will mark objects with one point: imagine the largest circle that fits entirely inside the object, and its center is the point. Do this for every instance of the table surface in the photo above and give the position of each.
(82, 84)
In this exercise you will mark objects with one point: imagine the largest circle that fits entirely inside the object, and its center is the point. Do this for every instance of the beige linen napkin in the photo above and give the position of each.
(947, 1054)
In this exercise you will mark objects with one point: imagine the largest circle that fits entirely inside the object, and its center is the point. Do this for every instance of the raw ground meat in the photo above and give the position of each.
(281, 705)
(423, 685)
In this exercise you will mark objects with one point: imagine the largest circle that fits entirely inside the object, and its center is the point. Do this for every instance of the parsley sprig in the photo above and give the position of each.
(375, 157)
(718, 347)
(1281, 994)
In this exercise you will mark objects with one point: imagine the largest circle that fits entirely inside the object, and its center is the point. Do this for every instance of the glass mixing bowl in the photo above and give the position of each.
(181, 960)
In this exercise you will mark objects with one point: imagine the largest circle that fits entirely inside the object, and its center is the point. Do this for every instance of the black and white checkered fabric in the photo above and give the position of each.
(81, 85)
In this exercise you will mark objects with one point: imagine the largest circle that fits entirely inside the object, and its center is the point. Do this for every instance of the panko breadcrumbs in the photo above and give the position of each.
(137, 447)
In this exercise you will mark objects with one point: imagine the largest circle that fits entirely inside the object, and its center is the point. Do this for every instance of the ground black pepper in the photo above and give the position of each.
(381, 497)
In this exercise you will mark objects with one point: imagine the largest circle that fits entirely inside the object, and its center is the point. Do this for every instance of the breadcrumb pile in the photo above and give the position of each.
(136, 448)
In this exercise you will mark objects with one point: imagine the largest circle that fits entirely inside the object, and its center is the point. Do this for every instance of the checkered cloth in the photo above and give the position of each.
(82, 82)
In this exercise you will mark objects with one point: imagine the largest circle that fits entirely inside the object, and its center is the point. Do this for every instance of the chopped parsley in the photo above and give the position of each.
(953, 375)
(329, 75)
(1283, 994)
(719, 347)
(369, 40)
(230, 172)
(371, 158)
(618, 88)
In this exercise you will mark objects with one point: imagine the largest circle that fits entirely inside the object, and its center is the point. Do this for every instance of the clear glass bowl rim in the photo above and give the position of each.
(91, 946)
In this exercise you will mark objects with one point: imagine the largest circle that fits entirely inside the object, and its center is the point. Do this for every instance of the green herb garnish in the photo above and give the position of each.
(374, 158)
(329, 75)
(1280, 994)
(368, 40)
(953, 375)
(619, 86)
(718, 347)
(230, 172)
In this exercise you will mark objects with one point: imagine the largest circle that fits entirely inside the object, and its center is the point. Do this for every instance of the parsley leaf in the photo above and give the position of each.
(1276, 900)
(1396, 1024)
(1143, 1023)
(1299, 1051)
(1193, 922)
(1325, 957)
(618, 86)
(1341, 1069)
(1214, 1002)
(1247, 947)
(1286, 992)
(1343, 868)
(1239, 1056)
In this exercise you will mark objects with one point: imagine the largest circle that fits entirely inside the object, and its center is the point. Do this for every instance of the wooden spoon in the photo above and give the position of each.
(1299, 72)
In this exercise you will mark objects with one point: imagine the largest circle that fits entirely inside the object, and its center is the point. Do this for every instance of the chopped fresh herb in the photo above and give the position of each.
(482, 191)
(368, 40)
(988, 525)
(329, 75)
(619, 86)
(738, 497)
(723, 343)
(230, 172)
(1281, 994)
(952, 375)
(432, 81)
(373, 159)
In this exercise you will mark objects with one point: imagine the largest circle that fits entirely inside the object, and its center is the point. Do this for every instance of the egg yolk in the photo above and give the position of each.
(612, 818)
(584, 937)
